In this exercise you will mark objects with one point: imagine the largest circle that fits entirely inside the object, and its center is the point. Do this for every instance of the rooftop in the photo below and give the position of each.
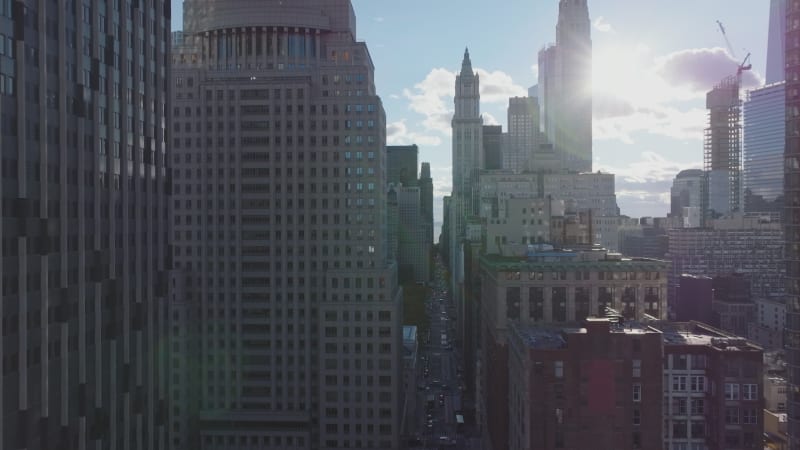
(697, 333)
(550, 337)
(571, 260)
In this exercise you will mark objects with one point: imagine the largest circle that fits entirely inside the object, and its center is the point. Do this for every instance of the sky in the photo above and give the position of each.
(653, 61)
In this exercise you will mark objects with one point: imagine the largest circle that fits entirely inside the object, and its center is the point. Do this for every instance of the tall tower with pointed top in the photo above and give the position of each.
(565, 76)
(467, 162)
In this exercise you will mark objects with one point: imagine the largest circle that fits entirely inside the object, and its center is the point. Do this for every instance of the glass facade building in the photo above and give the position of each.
(764, 137)
(792, 218)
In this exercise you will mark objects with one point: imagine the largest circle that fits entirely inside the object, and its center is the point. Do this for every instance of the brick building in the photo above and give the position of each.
(594, 387)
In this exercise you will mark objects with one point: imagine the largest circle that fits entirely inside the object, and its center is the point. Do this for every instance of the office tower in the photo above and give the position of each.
(791, 190)
(426, 200)
(712, 388)
(493, 147)
(686, 191)
(409, 227)
(401, 164)
(565, 87)
(722, 156)
(541, 286)
(280, 221)
(468, 160)
(776, 41)
(764, 136)
(744, 245)
(523, 133)
(568, 386)
(85, 198)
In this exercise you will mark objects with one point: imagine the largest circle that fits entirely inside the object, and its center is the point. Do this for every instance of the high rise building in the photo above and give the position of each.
(493, 147)
(85, 199)
(764, 136)
(791, 190)
(722, 160)
(282, 279)
(523, 133)
(426, 200)
(686, 191)
(468, 160)
(741, 245)
(565, 87)
(776, 41)
(401, 164)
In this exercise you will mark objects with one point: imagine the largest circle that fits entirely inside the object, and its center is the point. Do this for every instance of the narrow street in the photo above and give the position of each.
(439, 378)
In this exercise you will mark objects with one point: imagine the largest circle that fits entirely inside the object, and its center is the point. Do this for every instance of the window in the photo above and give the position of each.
(750, 416)
(731, 391)
(679, 383)
(637, 392)
(679, 406)
(749, 392)
(637, 368)
(559, 369)
(732, 416)
(698, 406)
(637, 416)
(698, 383)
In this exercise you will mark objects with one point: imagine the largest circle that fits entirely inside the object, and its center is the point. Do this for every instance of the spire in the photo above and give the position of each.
(466, 65)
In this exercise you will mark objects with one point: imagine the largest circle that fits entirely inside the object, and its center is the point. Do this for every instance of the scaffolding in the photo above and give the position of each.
(722, 156)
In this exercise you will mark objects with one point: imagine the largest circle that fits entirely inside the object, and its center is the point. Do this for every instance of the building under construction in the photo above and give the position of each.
(723, 149)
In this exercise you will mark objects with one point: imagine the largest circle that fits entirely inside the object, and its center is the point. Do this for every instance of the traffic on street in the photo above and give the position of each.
(439, 378)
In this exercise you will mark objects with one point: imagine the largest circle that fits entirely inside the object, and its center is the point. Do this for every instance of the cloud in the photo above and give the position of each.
(432, 97)
(643, 185)
(497, 87)
(620, 121)
(651, 167)
(700, 69)
(489, 119)
(602, 26)
(535, 70)
(378, 19)
(397, 133)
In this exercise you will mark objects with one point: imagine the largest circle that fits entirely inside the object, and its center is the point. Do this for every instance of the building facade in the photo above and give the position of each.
(568, 386)
(565, 87)
(768, 327)
(523, 133)
(763, 139)
(686, 191)
(85, 195)
(791, 190)
(401, 164)
(713, 395)
(548, 286)
(742, 245)
(280, 231)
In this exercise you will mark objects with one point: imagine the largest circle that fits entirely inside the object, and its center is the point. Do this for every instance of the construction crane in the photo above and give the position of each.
(727, 41)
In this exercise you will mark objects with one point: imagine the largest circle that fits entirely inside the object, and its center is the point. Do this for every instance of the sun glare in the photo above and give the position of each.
(620, 71)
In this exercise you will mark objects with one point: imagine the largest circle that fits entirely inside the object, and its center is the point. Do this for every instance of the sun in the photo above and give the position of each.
(624, 72)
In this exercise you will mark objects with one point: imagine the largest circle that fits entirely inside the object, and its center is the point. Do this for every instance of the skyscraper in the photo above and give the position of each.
(523, 133)
(776, 42)
(791, 190)
(565, 87)
(722, 157)
(282, 271)
(85, 218)
(468, 160)
(763, 139)
(686, 191)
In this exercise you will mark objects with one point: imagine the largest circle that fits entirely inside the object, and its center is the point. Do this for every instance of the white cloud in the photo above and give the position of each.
(489, 119)
(497, 87)
(657, 119)
(642, 186)
(602, 26)
(397, 133)
(535, 70)
(699, 69)
(651, 167)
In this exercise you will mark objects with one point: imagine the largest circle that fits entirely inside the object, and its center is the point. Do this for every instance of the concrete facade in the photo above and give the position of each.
(85, 222)
(280, 233)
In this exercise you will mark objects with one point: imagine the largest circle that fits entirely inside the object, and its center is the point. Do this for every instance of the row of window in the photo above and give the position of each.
(586, 275)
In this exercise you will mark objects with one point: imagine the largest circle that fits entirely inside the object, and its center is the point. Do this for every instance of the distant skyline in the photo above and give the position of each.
(653, 64)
